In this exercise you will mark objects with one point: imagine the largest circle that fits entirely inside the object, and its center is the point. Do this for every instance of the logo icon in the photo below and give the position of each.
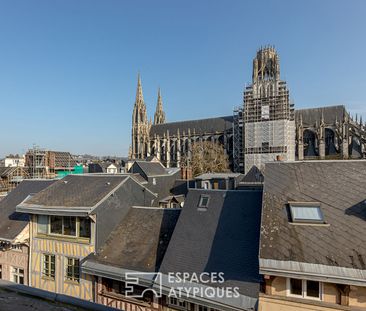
(143, 279)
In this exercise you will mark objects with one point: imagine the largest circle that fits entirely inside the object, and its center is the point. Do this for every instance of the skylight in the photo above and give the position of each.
(203, 201)
(306, 212)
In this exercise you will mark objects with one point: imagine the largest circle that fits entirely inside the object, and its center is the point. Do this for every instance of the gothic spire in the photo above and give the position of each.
(159, 116)
(139, 95)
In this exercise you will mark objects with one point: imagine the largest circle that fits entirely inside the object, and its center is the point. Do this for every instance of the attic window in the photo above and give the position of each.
(309, 212)
(203, 201)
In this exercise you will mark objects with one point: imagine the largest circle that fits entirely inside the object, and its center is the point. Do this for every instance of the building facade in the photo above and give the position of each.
(265, 128)
(269, 123)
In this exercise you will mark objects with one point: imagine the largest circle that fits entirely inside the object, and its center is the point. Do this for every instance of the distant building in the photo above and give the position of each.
(265, 128)
(48, 164)
(313, 232)
(105, 167)
(14, 161)
(11, 176)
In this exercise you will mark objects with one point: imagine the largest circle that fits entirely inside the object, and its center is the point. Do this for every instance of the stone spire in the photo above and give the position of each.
(159, 116)
(140, 125)
(139, 95)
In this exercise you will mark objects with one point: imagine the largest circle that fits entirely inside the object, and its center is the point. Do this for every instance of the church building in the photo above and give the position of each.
(265, 128)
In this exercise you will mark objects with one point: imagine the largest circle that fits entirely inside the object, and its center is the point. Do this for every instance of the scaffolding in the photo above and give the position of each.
(238, 156)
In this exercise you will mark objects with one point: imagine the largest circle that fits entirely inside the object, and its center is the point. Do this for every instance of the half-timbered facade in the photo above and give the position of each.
(69, 220)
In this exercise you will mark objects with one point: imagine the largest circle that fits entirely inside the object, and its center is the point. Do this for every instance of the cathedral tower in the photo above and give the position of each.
(140, 126)
(159, 116)
(269, 126)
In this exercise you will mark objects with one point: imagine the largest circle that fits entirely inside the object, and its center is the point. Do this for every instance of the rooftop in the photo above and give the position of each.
(339, 188)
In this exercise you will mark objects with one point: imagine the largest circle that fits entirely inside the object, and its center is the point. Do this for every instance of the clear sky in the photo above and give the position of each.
(68, 68)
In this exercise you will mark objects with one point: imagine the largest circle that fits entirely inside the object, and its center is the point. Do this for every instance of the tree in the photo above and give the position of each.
(208, 157)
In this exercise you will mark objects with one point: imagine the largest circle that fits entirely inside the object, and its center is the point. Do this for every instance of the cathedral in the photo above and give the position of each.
(265, 128)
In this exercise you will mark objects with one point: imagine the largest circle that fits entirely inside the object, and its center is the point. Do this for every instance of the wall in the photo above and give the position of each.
(61, 248)
(14, 258)
(276, 298)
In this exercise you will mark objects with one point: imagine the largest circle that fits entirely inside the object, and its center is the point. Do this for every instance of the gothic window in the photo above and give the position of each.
(310, 144)
(330, 142)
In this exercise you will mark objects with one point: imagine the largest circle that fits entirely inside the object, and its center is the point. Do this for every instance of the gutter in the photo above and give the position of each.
(310, 271)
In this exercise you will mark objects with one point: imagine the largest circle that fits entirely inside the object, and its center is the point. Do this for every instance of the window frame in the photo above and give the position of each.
(305, 205)
(77, 228)
(304, 289)
(51, 275)
(74, 276)
(202, 197)
(16, 275)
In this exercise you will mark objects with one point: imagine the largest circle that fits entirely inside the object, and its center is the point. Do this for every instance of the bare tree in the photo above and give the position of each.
(207, 157)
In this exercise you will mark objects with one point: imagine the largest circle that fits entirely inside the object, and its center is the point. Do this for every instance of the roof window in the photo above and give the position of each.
(308, 212)
(203, 201)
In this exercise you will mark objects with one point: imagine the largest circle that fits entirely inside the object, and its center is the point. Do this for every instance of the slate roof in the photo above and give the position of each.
(223, 238)
(140, 240)
(11, 222)
(312, 115)
(340, 187)
(253, 176)
(151, 168)
(202, 126)
(77, 191)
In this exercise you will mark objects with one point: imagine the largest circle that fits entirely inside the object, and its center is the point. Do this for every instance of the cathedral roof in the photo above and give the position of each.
(202, 126)
(310, 116)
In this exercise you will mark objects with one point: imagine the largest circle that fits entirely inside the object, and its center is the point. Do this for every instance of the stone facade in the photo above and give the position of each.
(269, 129)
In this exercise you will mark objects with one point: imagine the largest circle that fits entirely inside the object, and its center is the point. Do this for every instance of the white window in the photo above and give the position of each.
(304, 288)
(17, 275)
(154, 181)
(203, 201)
(306, 212)
(206, 185)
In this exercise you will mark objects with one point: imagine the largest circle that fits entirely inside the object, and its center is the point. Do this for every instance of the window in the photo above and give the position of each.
(72, 269)
(42, 224)
(154, 181)
(84, 231)
(56, 224)
(203, 201)
(1, 272)
(66, 226)
(304, 288)
(177, 302)
(312, 289)
(206, 185)
(296, 287)
(16, 247)
(306, 212)
(48, 266)
(17, 275)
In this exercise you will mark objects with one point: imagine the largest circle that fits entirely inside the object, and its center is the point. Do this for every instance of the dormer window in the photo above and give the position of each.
(203, 201)
(306, 212)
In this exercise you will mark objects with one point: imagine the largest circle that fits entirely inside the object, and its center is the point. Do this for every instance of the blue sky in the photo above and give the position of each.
(68, 68)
